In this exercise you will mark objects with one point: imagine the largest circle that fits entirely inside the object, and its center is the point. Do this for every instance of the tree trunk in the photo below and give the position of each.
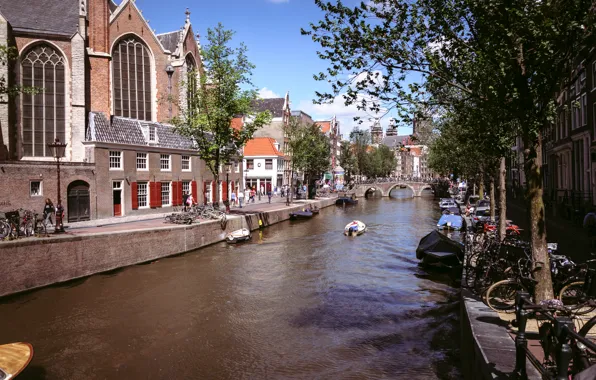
(481, 184)
(492, 198)
(502, 200)
(533, 169)
(216, 195)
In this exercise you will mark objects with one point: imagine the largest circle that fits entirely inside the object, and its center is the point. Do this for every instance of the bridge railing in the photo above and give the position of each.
(371, 181)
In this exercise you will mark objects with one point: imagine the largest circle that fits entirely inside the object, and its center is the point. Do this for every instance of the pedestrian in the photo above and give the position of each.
(275, 191)
(240, 198)
(233, 198)
(253, 193)
(283, 191)
(48, 211)
(190, 200)
(269, 195)
(184, 199)
(590, 224)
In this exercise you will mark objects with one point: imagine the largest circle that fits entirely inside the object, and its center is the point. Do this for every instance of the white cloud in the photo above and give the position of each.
(266, 93)
(278, 1)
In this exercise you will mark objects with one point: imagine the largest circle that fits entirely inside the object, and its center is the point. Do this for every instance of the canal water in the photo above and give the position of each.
(301, 301)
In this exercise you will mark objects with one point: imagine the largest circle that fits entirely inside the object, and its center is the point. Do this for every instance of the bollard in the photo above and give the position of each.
(564, 352)
(521, 343)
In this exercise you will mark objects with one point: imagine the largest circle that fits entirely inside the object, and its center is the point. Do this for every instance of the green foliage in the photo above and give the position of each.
(381, 162)
(9, 54)
(360, 144)
(348, 161)
(216, 98)
(309, 148)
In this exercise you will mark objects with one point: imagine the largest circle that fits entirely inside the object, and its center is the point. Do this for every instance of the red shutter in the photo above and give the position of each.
(152, 194)
(232, 186)
(180, 193)
(224, 190)
(213, 187)
(134, 195)
(158, 194)
(193, 191)
(174, 193)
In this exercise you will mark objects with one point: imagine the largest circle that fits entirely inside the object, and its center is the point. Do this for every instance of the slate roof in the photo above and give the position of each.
(113, 6)
(261, 146)
(394, 141)
(169, 40)
(53, 16)
(130, 132)
(274, 105)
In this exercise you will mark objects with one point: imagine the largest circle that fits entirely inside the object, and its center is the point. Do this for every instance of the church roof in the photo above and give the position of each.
(394, 141)
(127, 131)
(169, 40)
(50, 16)
(273, 105)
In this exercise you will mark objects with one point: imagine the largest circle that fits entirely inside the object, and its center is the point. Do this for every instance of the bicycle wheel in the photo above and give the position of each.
(4, 229)
(28, 228)
(573, 296)
(500, 296)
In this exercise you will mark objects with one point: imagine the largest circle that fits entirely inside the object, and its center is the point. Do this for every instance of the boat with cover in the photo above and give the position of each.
(14, 357)
(303, 214)
(450, 222)
(355, 228)
(238, 236)
(347, 200)
(437, 249)
(452, 210)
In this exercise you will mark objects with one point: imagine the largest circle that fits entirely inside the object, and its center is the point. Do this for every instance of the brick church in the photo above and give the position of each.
(109, 86)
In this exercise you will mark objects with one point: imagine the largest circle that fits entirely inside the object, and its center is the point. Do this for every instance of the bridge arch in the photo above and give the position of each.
(373, 190)
(398, 185)
(424, 187)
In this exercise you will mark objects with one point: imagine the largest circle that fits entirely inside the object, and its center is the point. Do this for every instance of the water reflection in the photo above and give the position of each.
(300, 301)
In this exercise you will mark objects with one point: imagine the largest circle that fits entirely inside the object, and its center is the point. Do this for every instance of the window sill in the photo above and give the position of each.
(115, 169)
(35, 195)
(186, 170)
(165, 170)
(143, 207)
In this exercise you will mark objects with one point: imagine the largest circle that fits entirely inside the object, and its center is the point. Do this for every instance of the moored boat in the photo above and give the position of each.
(438, 250)
(238, 236)
(355, 228)
(450, 222)
(14, 357)
(303, 214)
(348, 201)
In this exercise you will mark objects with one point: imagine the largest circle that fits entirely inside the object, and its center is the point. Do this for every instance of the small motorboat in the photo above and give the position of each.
(438, 250)
(348, 201)
(355, 228)
(450, 222)
(303, 214)
(451, 210)
(14, 357)
(238, 236)
(315, 210)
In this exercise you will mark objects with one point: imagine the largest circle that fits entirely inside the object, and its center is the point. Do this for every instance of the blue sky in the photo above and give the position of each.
(285, 60)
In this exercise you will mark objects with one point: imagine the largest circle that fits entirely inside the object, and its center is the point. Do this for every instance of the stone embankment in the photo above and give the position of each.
(32, 263)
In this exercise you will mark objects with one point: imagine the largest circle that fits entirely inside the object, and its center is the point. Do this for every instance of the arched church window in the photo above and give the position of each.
(191, 89)
(43, 113)
(131, 68)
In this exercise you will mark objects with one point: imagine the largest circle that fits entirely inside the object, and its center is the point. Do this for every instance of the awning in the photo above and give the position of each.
(328, 176)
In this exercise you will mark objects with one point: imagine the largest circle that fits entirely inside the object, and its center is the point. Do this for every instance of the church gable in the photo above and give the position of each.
(128, 19)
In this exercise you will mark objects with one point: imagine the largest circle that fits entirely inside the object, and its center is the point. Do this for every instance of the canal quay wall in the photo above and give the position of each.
(487, 349)
(33, 263)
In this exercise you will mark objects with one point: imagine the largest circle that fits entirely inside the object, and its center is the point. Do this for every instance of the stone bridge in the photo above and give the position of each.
(385, 187)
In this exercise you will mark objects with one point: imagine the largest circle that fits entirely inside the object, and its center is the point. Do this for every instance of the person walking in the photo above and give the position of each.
(240, 198)
(184, 199)
(190, 200)
(253, 193)
(48, 211)
(269, 194)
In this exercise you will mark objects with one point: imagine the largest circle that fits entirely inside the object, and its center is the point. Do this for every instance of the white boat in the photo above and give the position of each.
(238, 236)
(355, 228)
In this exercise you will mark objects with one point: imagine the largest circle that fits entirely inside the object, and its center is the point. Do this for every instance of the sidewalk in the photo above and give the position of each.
(148, 217)
(150, 221)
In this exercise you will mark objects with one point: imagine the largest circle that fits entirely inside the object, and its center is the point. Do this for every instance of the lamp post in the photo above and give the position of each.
(228, 166)
(169, 71)
(58, 150)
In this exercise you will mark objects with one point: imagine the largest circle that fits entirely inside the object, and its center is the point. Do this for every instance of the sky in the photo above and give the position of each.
(284, 59)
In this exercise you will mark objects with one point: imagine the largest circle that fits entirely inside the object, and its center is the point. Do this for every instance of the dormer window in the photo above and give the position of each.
(152, 134)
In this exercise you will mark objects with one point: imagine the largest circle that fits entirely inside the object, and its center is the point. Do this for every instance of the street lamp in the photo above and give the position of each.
(170, 72)
(58, 150)
(228, 166)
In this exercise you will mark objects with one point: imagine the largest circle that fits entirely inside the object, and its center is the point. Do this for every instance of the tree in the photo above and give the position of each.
(310, 150)
(360, 144)
(348, 161)
(379, 162)
(508, 57)
(224, 91)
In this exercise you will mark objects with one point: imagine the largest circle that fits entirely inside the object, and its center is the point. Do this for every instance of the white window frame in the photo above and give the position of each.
(120, 159)
(167, 192)
(584, 109)
(145, 194)
(182, 159)
(269, 159)
(146, 159)
(208, 193)
(250, 160)
(162, 160)
(186, 188)
(40, 193)
(152, 133)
